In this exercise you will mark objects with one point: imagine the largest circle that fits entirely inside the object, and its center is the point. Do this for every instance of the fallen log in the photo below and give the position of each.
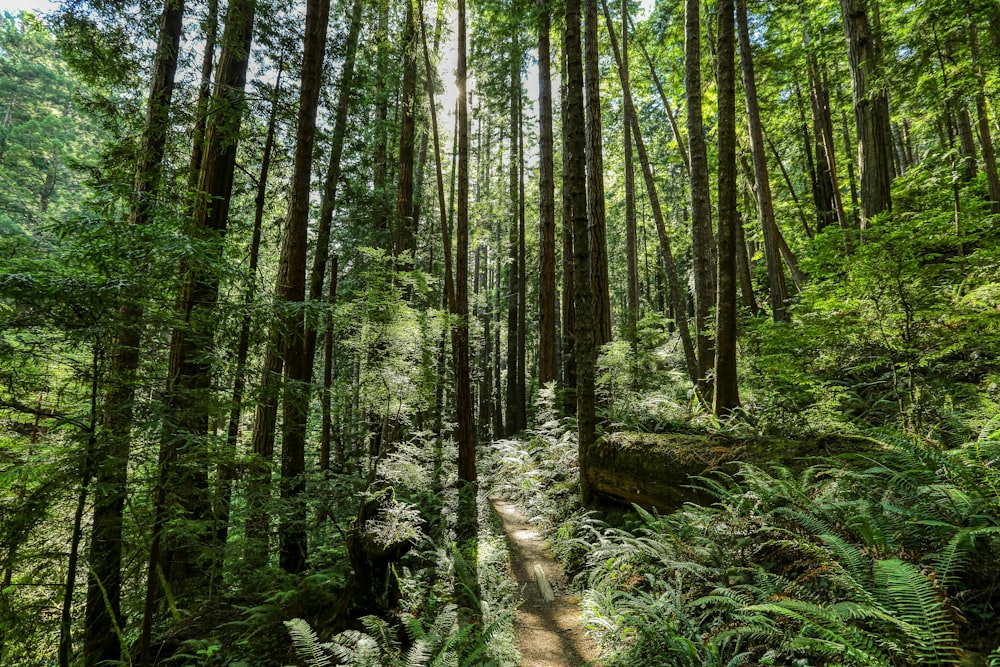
(656, 470)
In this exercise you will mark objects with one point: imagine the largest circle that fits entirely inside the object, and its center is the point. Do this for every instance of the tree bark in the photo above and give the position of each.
(463, 393)
(983, 119)
(404, 234)
(513, 413)
(547, 368)
(871, 112)
(522, 271)
(568, 279)
(326, 428)
(631, 250)
(726, 396)
(292, 292)
(189, 376)
(113, 446)
(702, 238)
(595, 179)
(775, 273)
(228, 475)
(576, 180)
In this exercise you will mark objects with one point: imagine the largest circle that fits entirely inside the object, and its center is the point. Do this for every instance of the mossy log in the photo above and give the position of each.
(655, 470)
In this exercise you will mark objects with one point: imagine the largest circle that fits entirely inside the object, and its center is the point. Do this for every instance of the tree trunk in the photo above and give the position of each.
(871, 112)
(983, 118)
(671, 116)
(381, 227)
(211, 31)
(775, 273)
(547, 368)
(568, 279)
(295, 395)
(576, 180)
(826, 155)
(702, 238)
(670, 268)
(743, 267)
(631, 250)
(66, 617)
(326, 429)
(112, 447)
(404, 234)
(513, 288)
(522, 272)
(463, 393)
(345, 90)
(189, 376)
(727, 397)
(595, 179)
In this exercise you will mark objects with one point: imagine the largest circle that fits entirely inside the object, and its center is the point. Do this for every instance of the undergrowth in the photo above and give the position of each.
(428, 629)
(883, 559)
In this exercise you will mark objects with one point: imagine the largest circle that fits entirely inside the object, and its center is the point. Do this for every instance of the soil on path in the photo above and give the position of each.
(548, 634)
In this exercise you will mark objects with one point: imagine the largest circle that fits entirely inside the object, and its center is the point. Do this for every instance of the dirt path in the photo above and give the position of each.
(548, 634)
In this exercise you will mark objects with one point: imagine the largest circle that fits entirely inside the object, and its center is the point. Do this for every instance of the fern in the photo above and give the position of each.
(307, 644)
(921, 609)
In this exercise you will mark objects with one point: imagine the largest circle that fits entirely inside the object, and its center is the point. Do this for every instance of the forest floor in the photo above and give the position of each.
(548, 633)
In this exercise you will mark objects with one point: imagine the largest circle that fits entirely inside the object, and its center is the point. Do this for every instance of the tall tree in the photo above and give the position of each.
(576, 181)
(568, 382)
(182, 462)
(403, 233)
(871, 111)
(321, 256)
(631, 248)
(775, 273)
(228, 474)
(595, 177)
(726, 396)
(104, 575)
(463, 390)
(515, 391)
(292, 291)
(666, 254)
(547, 369)
(983, 118)
(702, 238)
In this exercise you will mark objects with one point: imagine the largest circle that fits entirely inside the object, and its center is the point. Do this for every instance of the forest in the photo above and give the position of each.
(316, 316)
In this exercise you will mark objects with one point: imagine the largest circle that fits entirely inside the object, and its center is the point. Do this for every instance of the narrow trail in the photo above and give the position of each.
(548, 634)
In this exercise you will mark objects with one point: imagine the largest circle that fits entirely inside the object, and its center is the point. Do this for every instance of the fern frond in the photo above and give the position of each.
(920, 606)
(307, 644)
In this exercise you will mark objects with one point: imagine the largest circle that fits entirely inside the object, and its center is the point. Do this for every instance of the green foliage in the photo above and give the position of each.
(900, 332)
(859, 565)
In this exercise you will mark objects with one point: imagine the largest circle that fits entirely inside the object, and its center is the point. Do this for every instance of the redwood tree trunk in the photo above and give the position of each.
(547, 369)
(595, 180)
(189, 376)
(576, 180)
(871, 112)
(702, 238)
(463, 391)
(295, 395)
(513, 413)
(111, 449)
(727, 397)
(569, 310)
(775, 273)
(983, 119)
(631, 250)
